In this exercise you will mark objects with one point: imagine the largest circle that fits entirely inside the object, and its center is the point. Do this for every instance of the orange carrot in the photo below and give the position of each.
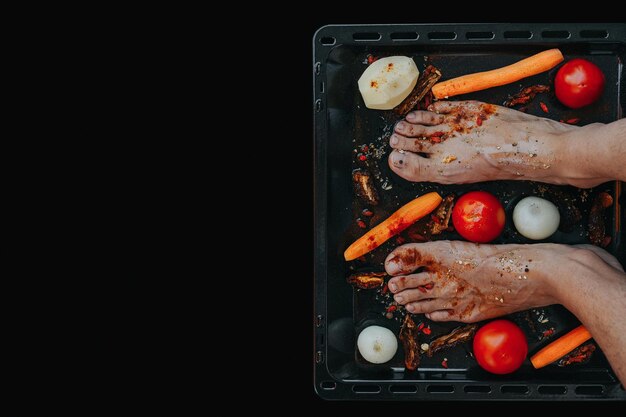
(533, 65)
(560, 347)
(396, 223)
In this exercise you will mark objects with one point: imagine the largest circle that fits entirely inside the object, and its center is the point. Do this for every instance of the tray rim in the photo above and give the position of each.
(616, 34)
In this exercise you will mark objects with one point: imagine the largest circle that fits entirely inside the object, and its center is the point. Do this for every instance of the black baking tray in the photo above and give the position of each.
(343, 125)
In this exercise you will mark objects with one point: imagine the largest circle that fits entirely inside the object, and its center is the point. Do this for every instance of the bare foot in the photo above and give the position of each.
(466, 282)
(468, 141)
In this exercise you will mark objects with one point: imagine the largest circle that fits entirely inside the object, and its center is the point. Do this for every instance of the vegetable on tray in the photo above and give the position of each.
(367, 280)
(396, 223)
(457, 336)
(410, 343)
(500, 347)
(579, 83)
(377, 344)
(388, 81)
(560, 347)
(424, 84)
(478, 216)
(469, 83)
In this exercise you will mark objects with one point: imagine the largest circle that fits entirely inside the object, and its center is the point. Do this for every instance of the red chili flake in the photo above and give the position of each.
(429, 286)
(392, 308)
(385, 289)
(479, 121)
(435, 219)
(573, 120)
(366, 148)
(444, 363)
(548, 333)
(435, 139)
(361, 157)
(361, 223)
(427, 100)
(437, 133)
(420, 326)
(371, 59)
(400, 240)
(543, 106)
(426, 330)
(367, 212)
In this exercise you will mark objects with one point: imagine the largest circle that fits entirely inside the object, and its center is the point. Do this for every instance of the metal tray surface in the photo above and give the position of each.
(343, 126)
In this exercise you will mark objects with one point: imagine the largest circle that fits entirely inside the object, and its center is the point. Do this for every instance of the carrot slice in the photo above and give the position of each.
(396, 223)
(560, 347)
(533, 65)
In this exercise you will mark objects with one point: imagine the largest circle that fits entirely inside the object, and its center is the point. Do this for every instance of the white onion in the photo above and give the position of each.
(536, 218)
(377, 344)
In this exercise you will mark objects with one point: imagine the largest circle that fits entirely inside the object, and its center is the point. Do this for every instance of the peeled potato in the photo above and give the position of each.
(388, 81)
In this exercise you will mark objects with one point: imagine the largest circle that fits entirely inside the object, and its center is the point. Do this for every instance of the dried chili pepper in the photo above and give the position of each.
(425, 82)
(426, 330)
(435, 139)
(581, 354)
(392, 308)
(543, 106)
(371, 59)
(367, 280)
(367, 212)
(444, 363)
(420, 326)
(526, 95)
(457, 336)
(573, 120)
(364, 186)
(409, 338)
(361, 223)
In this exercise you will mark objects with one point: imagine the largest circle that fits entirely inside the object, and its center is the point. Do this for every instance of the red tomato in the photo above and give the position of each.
(478, 216)
(500, 347)
(578, 83)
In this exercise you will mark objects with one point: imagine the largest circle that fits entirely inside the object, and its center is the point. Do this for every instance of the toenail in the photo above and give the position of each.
(410, 307)
(400, 126)
(398, 298)
(393, 287)
(410, 116)
(394, 140)
(396, 159)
